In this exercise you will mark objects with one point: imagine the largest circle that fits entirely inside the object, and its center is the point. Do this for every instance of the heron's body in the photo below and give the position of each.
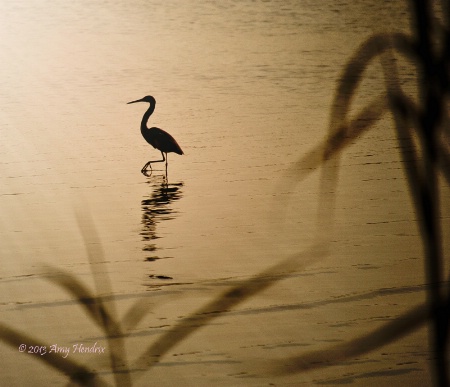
(156, 137)
(161, 140)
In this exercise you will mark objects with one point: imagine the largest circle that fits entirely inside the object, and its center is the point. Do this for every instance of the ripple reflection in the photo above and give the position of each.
(157, 207)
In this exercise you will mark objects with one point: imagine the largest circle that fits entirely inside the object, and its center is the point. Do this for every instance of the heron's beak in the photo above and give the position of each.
(138, 100)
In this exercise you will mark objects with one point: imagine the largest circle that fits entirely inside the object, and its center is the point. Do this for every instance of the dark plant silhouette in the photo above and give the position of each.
(429, 122)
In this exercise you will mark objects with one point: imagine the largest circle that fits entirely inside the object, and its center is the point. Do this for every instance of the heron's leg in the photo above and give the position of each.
(144, 168)
(166, 162)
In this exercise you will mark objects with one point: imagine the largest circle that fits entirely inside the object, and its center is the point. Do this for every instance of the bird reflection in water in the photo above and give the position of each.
(156, 208)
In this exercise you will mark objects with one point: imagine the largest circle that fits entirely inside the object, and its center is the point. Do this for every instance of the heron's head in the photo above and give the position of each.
(147, 98)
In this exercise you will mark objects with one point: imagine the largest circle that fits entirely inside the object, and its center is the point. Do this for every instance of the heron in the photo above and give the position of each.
(157, 138)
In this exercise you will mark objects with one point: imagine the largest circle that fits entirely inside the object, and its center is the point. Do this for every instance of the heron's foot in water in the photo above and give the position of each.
(144, 170)
(147, 172)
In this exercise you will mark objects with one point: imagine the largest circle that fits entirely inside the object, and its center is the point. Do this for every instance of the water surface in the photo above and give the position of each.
(245, 88)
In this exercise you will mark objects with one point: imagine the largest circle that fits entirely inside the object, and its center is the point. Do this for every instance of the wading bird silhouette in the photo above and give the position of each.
(156, 137)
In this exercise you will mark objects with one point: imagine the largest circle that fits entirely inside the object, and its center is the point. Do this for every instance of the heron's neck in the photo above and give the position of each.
(146, 116)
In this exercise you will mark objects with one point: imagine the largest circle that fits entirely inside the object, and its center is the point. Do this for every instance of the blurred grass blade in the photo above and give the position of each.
(223, 303)
(444, 156)
(92, 305)
(95, 254)
(135, 314)
(343, 137)
(392, 331)
(95, 308)
(112, 328)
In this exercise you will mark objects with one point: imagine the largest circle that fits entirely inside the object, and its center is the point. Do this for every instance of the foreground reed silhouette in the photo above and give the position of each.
(427, 121)
(103, 313)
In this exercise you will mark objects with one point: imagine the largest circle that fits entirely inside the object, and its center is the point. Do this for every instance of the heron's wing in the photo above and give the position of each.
(162, 140)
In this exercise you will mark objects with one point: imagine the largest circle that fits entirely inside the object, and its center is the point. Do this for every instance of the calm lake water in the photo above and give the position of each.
(246, 89)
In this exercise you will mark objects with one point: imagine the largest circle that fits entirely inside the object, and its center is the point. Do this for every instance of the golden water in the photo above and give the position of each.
(245, 88)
